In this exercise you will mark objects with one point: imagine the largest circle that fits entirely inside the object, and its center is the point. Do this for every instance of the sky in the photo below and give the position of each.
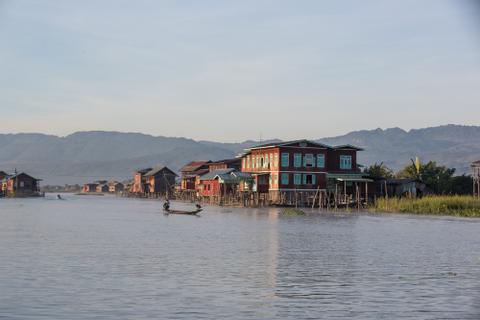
(236, 70)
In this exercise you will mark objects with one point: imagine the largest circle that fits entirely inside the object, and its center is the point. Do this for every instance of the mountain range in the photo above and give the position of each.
(93, 155)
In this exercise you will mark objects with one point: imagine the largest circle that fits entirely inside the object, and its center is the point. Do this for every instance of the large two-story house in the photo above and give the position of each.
(286, 168)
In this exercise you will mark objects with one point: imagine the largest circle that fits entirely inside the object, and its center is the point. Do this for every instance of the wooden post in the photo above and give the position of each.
(336, 196)
(320, 201)
(474, 181)
(357, 196)
(329, 195)
(315, 197)
(366, 193)
(296, 199)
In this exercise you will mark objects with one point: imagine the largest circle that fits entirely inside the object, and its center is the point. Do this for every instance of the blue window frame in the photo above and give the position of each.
(346, 162)
(320, 160)
(297, 178)
(284, 178)
(297, 160)
(285, 159)
(308, 161)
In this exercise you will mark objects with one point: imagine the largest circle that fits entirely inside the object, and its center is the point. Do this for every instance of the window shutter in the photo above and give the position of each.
(314, 179)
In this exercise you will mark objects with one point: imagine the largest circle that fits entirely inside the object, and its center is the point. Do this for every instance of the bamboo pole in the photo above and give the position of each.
(366, 193)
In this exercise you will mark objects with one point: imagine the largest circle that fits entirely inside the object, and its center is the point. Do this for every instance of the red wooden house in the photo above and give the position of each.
(286, 168)
(140, 184)
(115, 187)
(3, 183)
(102, 188)
(89, 187)
(191, 173)
(21, 185)
(160, 180)
(235, 163)
(222, 182)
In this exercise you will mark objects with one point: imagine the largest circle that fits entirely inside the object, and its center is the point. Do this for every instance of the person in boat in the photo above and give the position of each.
(198, 206)
(166, 205)
(59, 197)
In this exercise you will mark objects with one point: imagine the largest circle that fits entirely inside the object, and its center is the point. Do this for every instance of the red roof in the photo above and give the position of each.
(194, 166)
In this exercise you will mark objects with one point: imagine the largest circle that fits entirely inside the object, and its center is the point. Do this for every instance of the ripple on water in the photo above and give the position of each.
(108, 258)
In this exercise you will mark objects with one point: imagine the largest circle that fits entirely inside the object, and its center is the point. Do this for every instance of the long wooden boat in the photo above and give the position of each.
(192, 213)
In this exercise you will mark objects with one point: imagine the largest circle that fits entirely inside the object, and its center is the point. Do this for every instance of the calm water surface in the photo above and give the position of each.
(109, 258)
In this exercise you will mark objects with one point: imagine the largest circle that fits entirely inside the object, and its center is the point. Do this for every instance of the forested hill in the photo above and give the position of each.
(451, 145)
(85, 156)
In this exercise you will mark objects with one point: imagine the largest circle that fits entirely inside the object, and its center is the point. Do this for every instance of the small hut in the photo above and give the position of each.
(21, 185)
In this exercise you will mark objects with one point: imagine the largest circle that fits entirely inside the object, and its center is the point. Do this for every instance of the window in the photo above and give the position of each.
(262, 163)
(320, 160)
(284, 178)
(267, 159)
(275, 178)
(262, 180)
(270, 179)
(285, 159)
(248, 162)
(297, 178)
(244, 165)
(258, 162)
(308, 160)
(271, 160)
(346, 162)
(297, 160)
(275, 163)
(309, 179)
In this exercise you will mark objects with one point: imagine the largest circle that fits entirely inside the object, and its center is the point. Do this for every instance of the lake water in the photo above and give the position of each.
(113, 258)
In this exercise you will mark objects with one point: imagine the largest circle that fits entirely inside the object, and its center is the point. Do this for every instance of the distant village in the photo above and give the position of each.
(300, 173)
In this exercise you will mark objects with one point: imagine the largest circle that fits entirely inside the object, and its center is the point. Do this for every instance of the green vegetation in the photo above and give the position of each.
(440, 180)
(379, 170)
(293, 212)
(461, 206)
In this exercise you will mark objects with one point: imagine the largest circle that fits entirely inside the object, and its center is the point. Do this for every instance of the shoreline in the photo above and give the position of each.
(456, 206)
(447, 206)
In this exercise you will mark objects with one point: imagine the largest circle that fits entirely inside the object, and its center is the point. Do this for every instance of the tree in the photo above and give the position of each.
(437, 178)
(378, 171)
(461, 185)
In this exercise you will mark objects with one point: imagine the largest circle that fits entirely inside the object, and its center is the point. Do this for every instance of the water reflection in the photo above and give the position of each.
(118, 258)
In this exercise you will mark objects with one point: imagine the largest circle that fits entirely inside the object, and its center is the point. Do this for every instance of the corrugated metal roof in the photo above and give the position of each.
(345, 175)
(194, 165)
(157, 170)
(143, 171)
(354, 180)
(243, 175)
(286, 143)
(348, 147)
(212, 174)
(21, 173)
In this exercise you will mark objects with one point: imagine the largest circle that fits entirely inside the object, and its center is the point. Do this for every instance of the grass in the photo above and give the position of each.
(461, 206)
(293, 212)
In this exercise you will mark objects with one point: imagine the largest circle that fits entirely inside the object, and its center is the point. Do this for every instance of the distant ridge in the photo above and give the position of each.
(83, 156)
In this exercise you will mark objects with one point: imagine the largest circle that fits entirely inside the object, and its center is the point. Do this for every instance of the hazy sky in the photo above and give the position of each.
(235, 70)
